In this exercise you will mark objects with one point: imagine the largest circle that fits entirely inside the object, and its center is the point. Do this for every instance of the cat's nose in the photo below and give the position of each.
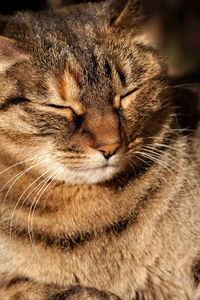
(108, 150)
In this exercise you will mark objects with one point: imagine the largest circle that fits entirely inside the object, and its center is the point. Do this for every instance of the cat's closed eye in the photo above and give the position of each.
(14, 101)
(129, 93)
(58, 106)
(67, 111)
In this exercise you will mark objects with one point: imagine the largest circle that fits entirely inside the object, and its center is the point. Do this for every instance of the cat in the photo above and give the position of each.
(99, 184)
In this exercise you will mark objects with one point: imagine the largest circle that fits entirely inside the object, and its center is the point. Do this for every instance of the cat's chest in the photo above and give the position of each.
(91, 236)
(101, 261)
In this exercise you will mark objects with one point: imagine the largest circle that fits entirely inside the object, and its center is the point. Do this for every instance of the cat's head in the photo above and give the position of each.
(81, 90)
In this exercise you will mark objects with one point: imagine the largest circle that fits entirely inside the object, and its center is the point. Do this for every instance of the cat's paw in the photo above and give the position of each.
(83, 293)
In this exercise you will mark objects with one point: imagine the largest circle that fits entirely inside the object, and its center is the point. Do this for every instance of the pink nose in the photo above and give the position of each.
(108, 150)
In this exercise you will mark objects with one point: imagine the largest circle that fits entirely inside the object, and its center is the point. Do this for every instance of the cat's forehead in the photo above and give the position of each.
(69, 89)
(73, 88)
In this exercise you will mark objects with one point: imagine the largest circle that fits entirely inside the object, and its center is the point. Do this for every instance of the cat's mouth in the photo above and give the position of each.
(95, 169)
(88, 174)
(102, 167)
(96, 174)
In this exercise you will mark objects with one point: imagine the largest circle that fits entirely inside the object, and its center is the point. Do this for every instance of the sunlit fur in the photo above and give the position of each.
(99, 185)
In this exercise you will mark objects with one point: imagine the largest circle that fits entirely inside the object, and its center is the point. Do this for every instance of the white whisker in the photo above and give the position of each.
(156, 160)
(174, 149)
(20, 163)
(34, 204)
(177, 167)
(172, 159)
(17, 177)
(13, 213)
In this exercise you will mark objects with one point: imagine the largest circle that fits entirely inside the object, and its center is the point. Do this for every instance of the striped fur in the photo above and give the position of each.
(99, 184)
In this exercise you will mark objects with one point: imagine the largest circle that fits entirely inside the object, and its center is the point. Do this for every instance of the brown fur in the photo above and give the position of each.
(99, 185)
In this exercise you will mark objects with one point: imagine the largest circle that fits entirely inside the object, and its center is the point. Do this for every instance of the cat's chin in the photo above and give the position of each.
(89, 176)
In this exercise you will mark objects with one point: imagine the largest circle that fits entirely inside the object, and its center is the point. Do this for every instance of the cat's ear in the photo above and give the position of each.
(10, 53)
(124, 13)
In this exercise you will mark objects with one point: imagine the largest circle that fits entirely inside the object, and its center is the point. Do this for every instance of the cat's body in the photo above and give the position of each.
(85, 103)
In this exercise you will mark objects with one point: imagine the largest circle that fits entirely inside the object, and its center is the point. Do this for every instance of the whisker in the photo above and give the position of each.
(17, 177)
(162, 164)
(186, 85)
(149, 165)
(144, 161)
(14, 210)
(45, 181)
(31, 192)
(20, 163)
(179, 167)
(175, 161)
(34, 204)
(178, 130)
(174, 149)
(156, 160)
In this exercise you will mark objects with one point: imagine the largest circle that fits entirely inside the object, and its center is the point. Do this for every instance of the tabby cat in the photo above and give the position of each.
(99, 184)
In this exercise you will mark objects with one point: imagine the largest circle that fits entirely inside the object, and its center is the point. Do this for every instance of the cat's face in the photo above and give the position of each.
(78, 96)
